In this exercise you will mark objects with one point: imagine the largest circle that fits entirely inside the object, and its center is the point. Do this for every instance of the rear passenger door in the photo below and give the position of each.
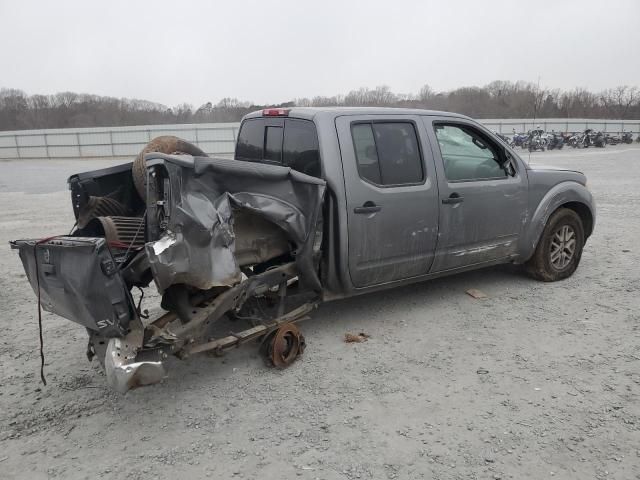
(392, 197)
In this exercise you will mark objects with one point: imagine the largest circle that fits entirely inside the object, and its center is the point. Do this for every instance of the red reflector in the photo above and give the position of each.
(275, 112)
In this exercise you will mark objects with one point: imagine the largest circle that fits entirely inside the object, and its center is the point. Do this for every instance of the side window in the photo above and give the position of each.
(387, 153)
(468, 154)
(366, 153)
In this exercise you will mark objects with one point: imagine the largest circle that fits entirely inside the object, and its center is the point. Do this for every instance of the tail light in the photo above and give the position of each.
(275, 112)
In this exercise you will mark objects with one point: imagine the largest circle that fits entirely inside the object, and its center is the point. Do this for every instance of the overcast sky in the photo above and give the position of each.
(273, 51)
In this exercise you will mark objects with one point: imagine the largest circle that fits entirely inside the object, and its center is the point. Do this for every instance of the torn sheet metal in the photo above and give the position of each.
(191, 204)
(123, 369)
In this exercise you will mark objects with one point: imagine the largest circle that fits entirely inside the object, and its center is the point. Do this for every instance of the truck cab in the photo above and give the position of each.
(411, 194)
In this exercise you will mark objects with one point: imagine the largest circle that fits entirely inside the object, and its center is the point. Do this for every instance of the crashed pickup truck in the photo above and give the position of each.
(317, 205)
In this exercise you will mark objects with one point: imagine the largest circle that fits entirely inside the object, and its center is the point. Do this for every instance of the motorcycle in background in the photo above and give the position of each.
(536, 142)
(589, 138)
(569, 138)
(627, 137)
(612, 139)
(598, 140)
(555, 141)
(519, 140)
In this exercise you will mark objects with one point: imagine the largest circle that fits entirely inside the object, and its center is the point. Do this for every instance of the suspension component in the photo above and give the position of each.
(284, 345)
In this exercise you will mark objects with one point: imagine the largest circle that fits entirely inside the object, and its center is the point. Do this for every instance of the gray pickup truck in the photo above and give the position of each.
(318, 204)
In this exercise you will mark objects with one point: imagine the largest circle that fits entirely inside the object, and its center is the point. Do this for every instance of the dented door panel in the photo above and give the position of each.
(480, 220)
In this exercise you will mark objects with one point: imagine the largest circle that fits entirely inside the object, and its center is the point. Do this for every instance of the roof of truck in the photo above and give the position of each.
(313, 112)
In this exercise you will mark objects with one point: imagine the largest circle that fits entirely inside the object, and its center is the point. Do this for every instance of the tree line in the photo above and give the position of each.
(499, 99)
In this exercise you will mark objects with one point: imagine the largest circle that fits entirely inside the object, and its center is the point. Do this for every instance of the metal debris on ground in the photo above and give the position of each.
(475, 293)
(286, 345)
(358, 338)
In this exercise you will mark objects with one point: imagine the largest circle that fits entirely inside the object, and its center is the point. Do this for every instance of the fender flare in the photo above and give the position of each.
(567, 192)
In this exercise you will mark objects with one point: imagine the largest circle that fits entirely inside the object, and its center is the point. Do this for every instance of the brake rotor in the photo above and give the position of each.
(285, 345)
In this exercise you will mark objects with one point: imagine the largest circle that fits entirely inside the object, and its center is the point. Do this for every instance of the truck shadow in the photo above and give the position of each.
(334, 318)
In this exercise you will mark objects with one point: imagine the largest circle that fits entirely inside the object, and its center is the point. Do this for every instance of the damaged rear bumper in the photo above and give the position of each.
(124, 370)
(211, 234)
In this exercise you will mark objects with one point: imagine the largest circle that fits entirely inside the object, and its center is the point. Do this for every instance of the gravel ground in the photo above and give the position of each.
(535, 381)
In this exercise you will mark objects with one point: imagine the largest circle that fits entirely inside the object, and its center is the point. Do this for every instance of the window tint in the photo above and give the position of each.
(250, 141)
(366, 153)
(291, 142)
(387, 153)
(273, 144)
(467, 154)
(300, 149)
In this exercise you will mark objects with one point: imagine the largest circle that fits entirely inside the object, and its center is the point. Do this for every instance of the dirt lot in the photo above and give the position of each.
(535, 381)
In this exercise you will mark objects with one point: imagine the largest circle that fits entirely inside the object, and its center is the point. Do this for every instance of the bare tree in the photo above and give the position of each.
(425, 94)
(498, 99)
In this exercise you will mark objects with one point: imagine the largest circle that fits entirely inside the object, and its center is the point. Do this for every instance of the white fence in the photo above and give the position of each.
(520, 125)
(215, 138)
(106, 142)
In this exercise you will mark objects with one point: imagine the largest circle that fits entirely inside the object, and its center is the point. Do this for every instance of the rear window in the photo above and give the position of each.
(290, 142)
(273, 144)
(250, 141)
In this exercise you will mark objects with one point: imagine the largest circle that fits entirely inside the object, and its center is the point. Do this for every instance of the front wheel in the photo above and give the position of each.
(560, 247)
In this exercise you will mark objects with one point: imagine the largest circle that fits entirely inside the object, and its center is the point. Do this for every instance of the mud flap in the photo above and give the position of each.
(79, 280)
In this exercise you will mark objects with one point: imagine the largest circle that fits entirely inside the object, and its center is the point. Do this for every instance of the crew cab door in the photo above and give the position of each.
(483, 194)
(392, 197)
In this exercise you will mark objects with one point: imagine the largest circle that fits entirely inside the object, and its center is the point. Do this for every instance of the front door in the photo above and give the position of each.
(392, 197)
(483, 195)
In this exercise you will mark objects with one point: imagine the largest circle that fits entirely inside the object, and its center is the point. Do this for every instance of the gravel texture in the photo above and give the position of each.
(534, 381)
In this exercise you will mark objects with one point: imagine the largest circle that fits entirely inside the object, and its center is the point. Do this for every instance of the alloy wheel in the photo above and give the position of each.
(563, 247)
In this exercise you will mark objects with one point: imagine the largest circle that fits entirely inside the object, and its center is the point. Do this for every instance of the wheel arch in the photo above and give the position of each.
(585, 214)
(569, 194)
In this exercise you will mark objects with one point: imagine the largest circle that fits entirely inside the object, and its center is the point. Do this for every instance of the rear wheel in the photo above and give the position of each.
(560, 247)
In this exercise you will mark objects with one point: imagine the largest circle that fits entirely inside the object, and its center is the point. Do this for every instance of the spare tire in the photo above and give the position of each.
(165, 144)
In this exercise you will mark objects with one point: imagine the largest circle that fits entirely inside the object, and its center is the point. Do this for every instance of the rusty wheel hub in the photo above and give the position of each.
(284, 345)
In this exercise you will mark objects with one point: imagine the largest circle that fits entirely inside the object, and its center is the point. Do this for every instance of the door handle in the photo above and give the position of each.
(368, 207)
(453, 198)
